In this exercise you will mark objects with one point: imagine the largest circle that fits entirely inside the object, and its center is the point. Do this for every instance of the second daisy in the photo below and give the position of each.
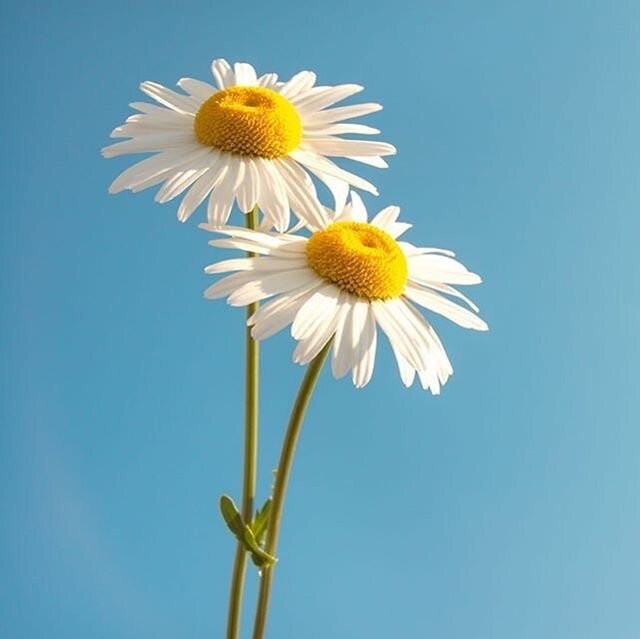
(342, 282)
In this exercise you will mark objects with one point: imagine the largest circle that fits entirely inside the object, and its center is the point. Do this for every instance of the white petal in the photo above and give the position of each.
(454, 292)
(197, 88)
(391, 317)
(152, 180)
(374, 160)
(339, 129)
(151, 143)
(267, 239)
(271, 284)
(321, 97)
(275, 315)
(358, 209)
(273, 198)
(423, 332)
(340, 113)
(223, 73)
(385, 218)
(268, 80)
(146, 107)
(302, 194)
(299, 82)
(440, 268)
(364, 339)
(148, 168)
(245, 74)
(445, 370)
(339, 189)
(228, 284)
(239, 244)
(441, 305)
(410, 250)
(429, 381)
(315, 311)
(178, 183)
(199, 191)
(337, 147)
(407, 371)
(163, 121)
(222, 198)
(260, 265)
(308, 348)
(248, 191)
(397, 229)
(343, 350)
(321, 166)
(171, 99)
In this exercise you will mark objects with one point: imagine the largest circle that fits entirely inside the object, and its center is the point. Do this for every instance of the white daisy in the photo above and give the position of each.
(252, 139)
(344, 281)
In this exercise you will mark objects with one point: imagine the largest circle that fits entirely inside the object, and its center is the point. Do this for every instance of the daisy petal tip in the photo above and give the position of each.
(280, 228)
(206, 226)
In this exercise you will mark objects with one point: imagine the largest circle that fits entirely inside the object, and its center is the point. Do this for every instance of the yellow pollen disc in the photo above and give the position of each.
(249, 121)
(359, 258)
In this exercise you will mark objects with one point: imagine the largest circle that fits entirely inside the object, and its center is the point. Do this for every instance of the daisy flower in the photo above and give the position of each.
(253, 140)
(347, 279)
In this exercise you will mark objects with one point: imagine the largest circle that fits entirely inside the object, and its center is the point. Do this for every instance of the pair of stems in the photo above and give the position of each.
(249, 474)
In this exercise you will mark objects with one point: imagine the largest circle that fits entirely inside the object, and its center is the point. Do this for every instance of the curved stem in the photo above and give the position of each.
(280, 487)
(252, 366)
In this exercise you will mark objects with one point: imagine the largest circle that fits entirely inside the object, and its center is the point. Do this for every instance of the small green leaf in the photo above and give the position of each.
(261, 521)
(243, 533)
(232, 516)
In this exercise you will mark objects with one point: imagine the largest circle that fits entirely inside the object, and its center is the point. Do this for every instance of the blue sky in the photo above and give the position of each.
(506, 507)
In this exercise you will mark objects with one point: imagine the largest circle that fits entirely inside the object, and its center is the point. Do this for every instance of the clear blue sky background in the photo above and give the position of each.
(507, 507)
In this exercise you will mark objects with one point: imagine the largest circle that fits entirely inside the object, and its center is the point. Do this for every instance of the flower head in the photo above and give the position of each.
(253, 140)
(343, 282)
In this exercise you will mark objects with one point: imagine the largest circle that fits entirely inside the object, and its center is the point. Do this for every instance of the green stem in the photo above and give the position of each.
(280, 487)
(252, 365)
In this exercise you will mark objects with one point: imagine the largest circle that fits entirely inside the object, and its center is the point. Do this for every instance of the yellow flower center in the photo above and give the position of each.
(249, 121)
(359, 258)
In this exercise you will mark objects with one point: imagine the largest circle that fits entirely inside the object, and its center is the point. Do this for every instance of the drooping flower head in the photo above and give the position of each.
(349, 277)
(252, 140)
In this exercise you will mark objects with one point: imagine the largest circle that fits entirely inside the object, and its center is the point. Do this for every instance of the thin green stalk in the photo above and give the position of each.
(280, 487)
(252, 366)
